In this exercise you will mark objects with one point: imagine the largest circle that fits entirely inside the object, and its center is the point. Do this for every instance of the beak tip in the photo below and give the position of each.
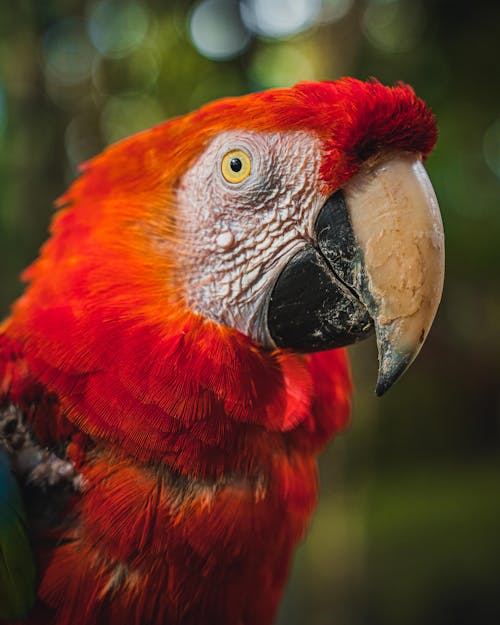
(381, 388)
(392, 367)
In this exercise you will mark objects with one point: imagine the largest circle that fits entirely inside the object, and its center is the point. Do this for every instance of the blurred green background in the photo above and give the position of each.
(408, 525)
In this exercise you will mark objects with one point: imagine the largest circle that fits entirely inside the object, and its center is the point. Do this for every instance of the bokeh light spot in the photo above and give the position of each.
(279, 18)
(67, 53)
(393, 26)
(281, 66)
(491, 147)
(334, 10)
(125, 115)
(217, 31)
(80, 140)
(136, 73)
(116, 28)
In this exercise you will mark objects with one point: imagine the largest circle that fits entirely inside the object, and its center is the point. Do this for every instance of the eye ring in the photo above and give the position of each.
(236, 166)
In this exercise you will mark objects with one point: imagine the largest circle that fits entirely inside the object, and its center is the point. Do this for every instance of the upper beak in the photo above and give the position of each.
(381, 239)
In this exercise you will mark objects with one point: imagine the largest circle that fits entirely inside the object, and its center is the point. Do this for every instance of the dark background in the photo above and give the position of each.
(408, 526)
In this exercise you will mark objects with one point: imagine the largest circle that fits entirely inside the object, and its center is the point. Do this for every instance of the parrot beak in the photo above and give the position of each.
(377, 263)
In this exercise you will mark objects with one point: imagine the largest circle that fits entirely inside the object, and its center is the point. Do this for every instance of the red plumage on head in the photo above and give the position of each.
(197, 446)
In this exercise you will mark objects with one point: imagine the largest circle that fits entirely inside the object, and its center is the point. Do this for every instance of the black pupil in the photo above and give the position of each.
(236, 164)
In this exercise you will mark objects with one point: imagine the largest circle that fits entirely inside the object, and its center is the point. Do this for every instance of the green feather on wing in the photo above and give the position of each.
(17, 566)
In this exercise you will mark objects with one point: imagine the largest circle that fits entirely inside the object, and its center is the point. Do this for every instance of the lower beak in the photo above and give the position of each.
(378, 263)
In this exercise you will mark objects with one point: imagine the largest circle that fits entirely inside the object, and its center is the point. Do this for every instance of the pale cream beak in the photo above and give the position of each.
(397, 225)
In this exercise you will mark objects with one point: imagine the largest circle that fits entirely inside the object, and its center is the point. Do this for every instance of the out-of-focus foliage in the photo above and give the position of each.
(407, 530)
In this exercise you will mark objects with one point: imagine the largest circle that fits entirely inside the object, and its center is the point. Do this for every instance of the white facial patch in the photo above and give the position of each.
(235, 238)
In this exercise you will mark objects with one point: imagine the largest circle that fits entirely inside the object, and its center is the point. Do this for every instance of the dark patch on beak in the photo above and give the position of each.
(312, 306)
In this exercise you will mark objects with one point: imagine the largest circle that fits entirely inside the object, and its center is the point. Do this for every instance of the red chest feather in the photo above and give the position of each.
(188, 506)
(171, 550)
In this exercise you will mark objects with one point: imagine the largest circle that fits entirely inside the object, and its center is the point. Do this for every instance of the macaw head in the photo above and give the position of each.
(302, 218)
(308, 220)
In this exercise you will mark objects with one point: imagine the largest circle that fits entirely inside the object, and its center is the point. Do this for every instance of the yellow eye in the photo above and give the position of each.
(236, 166)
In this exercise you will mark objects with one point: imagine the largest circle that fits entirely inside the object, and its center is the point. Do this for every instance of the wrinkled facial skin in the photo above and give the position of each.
(237, 238)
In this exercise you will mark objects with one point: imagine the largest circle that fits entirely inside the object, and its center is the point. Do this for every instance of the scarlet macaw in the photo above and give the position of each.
(169, 377)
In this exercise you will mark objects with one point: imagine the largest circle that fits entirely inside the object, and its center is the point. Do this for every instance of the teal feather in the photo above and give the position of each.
(17, 566)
